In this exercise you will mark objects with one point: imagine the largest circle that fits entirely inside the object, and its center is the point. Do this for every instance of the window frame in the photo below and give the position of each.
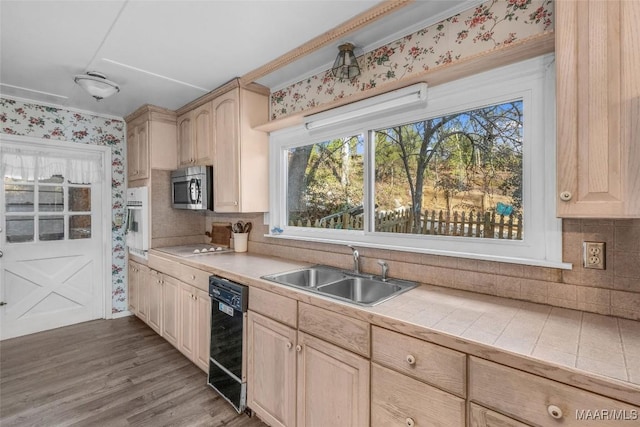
(533, 81)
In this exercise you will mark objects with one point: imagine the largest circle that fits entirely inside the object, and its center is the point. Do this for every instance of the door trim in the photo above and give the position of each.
(105, 234)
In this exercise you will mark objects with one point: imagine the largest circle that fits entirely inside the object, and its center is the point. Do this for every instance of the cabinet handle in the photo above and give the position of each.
(554, 411)
(289, 345)
(235, 203)
(411, 359)
(410, 422)
(298, 348)
(565, 196)
(193, 277)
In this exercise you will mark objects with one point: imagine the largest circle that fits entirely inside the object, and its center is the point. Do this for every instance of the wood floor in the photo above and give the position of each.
(106, 373)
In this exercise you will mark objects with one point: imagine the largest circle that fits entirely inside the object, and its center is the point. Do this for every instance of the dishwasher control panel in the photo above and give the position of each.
(232, 294)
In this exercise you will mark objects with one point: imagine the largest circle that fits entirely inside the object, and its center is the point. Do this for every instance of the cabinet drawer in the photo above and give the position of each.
(275, 306)
(531, 398)
(344, 331)
(397, 400)
(163, 265)
(483, 417)
(194, 277)
(431, 363)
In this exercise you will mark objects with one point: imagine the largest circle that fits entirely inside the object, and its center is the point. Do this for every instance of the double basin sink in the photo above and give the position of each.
(347, 286)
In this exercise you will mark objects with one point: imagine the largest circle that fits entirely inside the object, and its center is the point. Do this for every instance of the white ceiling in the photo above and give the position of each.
(168, 53)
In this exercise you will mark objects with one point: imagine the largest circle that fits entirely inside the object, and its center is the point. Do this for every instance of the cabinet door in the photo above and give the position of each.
(271, 370)
(132, 287)
(333, 385)
(203, 134)
(185, 141)
(203, 329)
(144, 282)
(598, 93)
(154, 319)
(142, 138)
(132, 154)
(171, 310)
(188, 307)
(226, 137)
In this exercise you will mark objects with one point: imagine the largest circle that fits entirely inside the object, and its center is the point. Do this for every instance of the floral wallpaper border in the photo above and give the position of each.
(29, 119)
(490, 25)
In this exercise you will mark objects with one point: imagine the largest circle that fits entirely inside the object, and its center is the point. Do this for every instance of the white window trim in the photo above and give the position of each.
(533, 81)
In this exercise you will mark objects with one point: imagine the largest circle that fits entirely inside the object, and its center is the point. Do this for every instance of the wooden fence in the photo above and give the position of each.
(468, 224)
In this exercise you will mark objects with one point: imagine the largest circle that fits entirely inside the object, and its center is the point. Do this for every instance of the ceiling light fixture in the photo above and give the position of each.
(345, 65)
(97, 85)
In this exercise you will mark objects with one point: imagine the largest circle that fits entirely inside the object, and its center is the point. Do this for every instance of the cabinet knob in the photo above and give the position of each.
(410, 422)
(298, 348)
(411, 359)
(565, 196)
(554, 411)
(289, 345)
(193, 277)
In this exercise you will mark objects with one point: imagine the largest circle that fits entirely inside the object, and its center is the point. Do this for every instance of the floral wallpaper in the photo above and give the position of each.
(492, 24)
(27, 119)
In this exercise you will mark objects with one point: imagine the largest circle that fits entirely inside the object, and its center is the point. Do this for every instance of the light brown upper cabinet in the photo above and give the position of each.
(195, 144)
(241, 164)
(138, 151)
(598, 108)
(151, 141)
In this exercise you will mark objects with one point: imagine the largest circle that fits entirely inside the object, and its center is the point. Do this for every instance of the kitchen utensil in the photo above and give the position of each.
(247, 227)
(238, 227)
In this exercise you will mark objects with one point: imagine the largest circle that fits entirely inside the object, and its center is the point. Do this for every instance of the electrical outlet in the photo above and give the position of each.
(593, 255)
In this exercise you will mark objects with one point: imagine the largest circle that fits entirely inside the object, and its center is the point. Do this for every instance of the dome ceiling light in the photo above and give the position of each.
(97, 85)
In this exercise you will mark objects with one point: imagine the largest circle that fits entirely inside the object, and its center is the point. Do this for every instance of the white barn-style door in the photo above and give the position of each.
(51, 238)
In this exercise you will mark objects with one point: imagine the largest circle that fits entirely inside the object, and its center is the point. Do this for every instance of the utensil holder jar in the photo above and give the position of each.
(240, 241)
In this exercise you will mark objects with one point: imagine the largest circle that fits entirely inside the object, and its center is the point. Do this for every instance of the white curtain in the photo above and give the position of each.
(28, 164)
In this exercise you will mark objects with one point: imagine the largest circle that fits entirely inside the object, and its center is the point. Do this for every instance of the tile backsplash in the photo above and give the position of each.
(614, 291)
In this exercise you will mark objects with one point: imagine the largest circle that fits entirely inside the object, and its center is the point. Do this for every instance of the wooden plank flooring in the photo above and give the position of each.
(106, 373)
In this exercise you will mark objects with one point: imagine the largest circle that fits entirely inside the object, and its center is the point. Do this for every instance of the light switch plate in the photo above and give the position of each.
(593, 255)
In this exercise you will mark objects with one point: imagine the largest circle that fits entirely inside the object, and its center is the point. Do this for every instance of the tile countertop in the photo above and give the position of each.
(590, 351)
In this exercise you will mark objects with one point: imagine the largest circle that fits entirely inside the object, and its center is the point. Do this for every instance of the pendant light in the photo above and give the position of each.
(345, 66)
(97, 85)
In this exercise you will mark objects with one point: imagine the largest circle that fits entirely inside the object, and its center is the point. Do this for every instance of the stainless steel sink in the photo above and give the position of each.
(360, 290)
(343, 285)
(307, 277)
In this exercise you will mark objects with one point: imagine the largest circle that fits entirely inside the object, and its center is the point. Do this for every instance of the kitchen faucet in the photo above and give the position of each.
(356, 260)
(385, 268)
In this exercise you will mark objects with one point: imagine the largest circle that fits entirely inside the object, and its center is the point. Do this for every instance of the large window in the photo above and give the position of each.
(470, 174)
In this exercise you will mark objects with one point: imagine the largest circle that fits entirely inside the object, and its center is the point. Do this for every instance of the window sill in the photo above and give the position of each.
(484, 257)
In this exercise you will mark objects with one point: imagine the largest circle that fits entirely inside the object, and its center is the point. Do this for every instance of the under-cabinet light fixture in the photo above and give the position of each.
(395, 100)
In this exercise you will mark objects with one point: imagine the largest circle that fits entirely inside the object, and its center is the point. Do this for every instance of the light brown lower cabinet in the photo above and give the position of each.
(483, 417)
(539, 401)
(398, 400)
(177, 311)
(271, 370)
(144, 282)
(202, 329)
(170, 310)
(333, 385)
(154, 291)
(297, 379)
(188, 308)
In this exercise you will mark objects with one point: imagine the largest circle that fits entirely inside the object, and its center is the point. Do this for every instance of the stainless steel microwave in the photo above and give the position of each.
(192, 188)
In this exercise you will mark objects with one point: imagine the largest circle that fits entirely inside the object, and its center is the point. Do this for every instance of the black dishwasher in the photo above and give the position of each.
(229, 303)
